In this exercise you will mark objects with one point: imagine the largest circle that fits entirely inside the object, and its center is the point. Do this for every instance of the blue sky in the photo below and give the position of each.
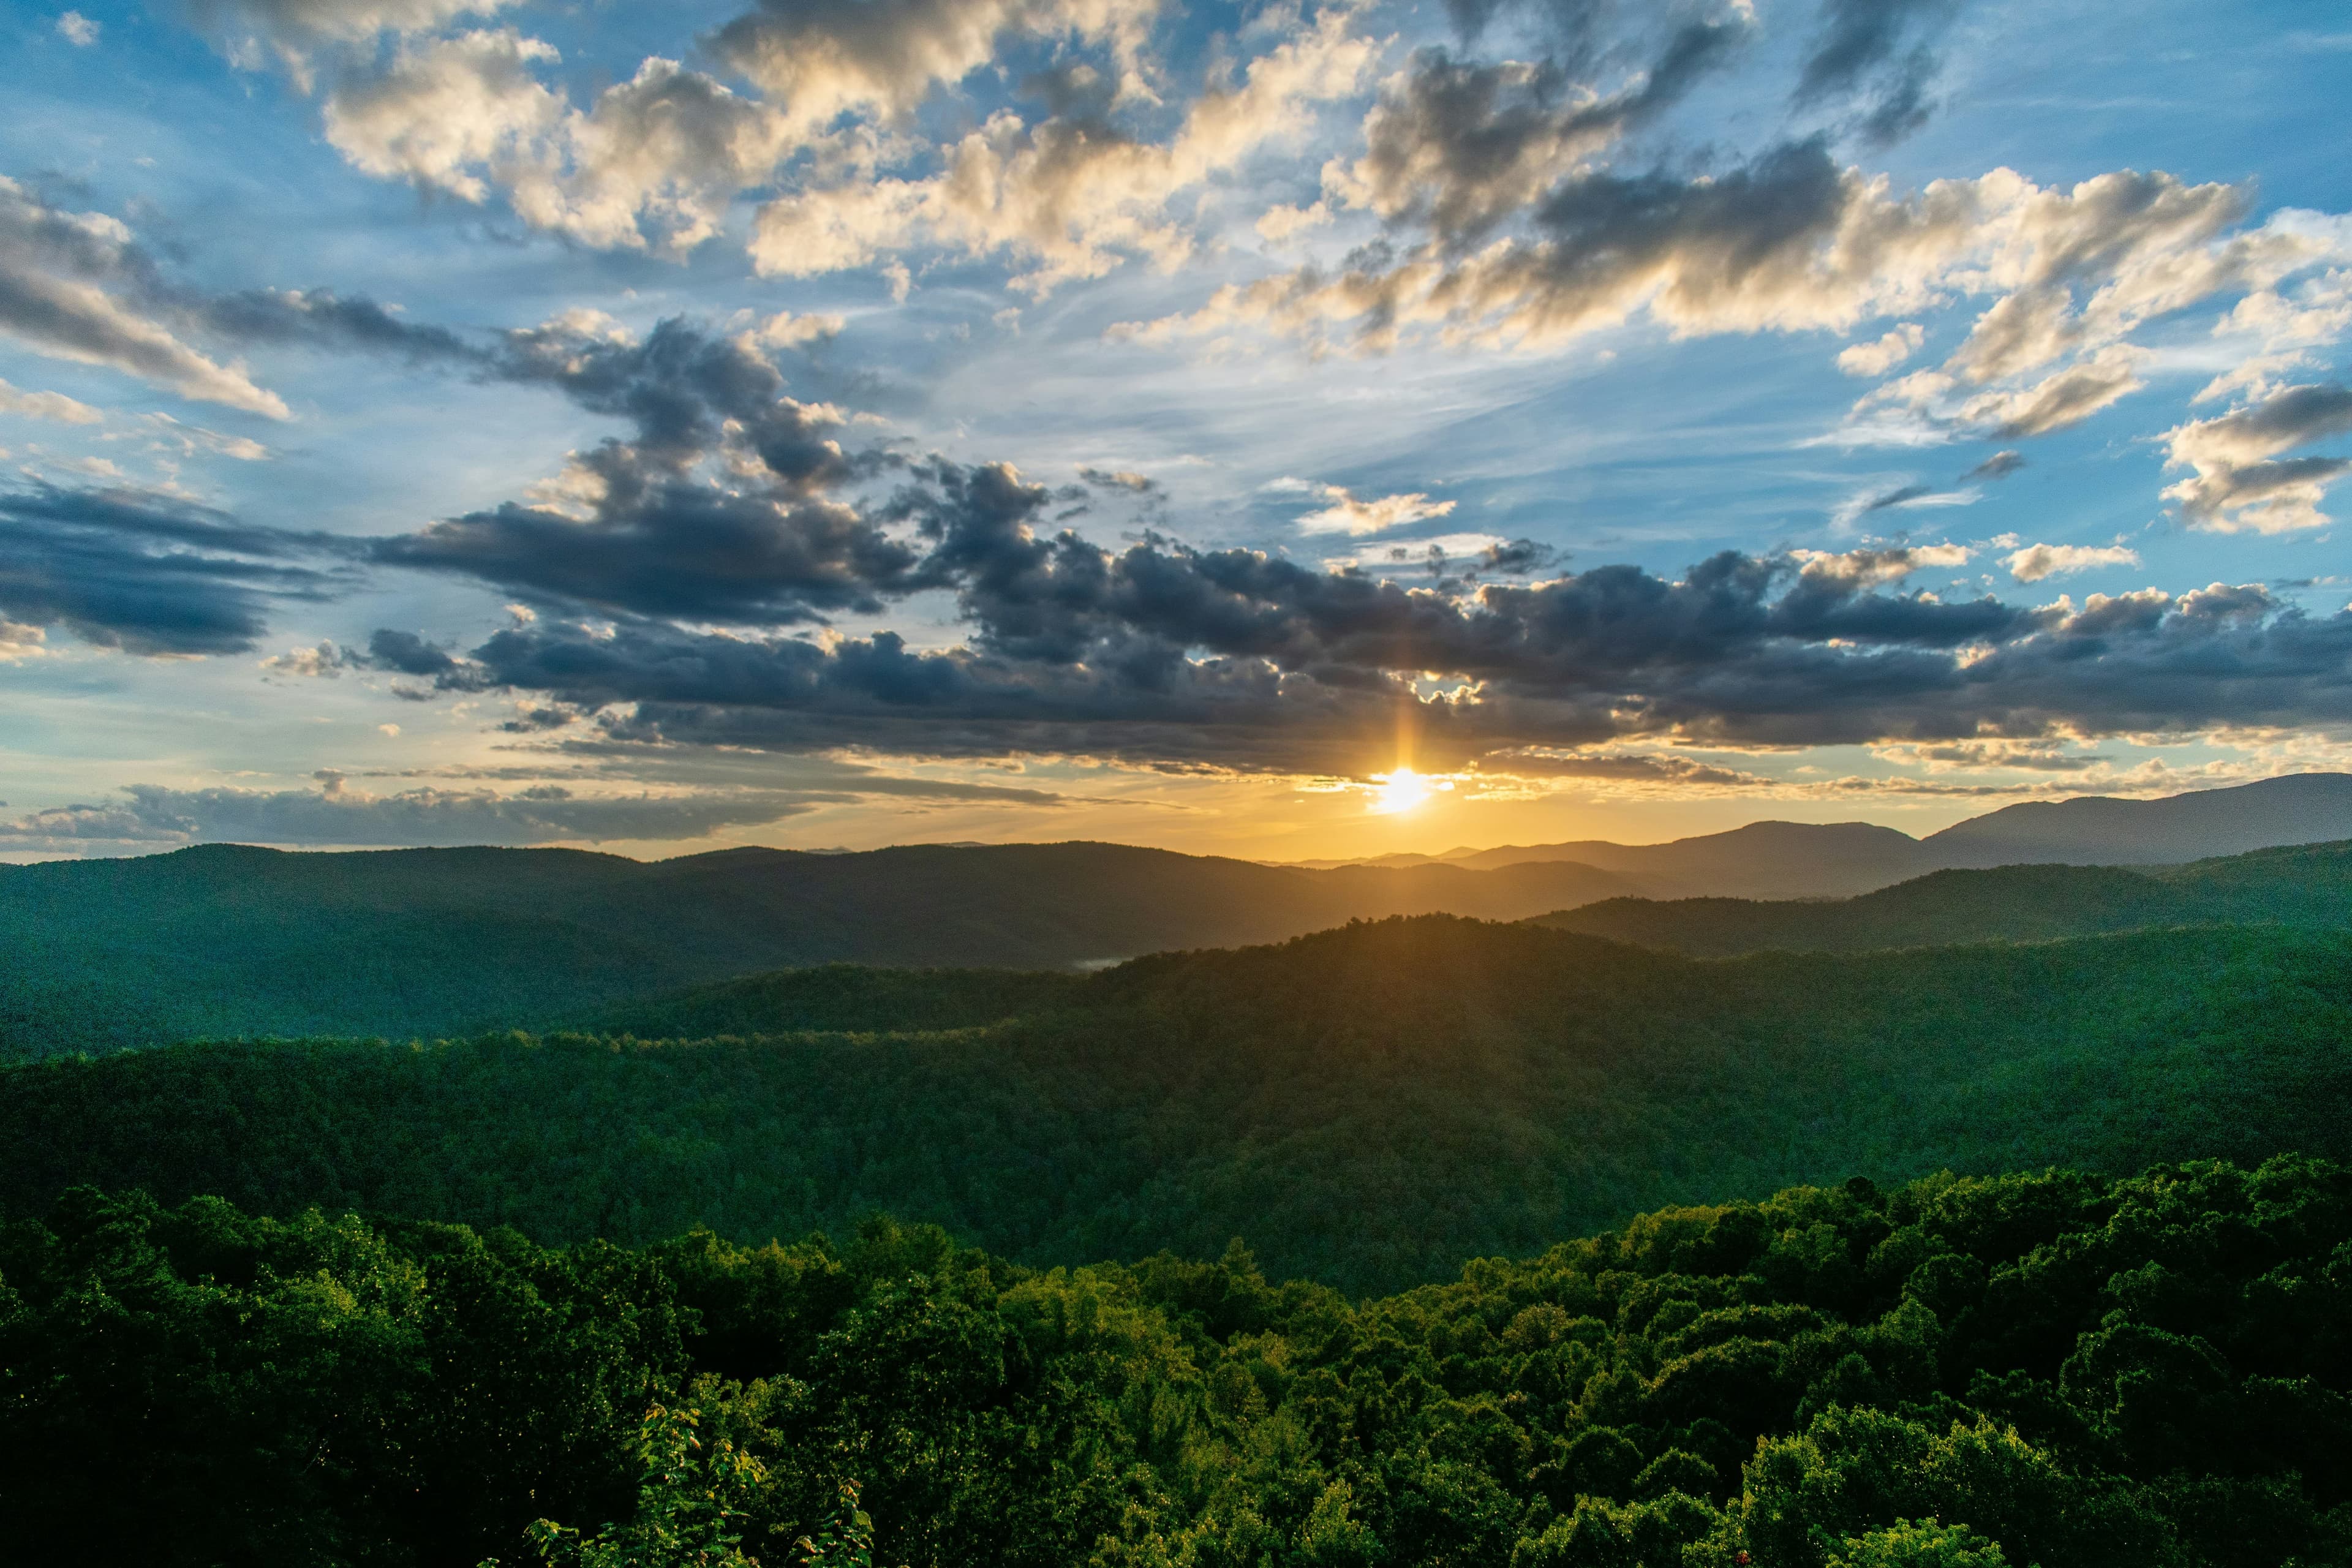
(847, 421)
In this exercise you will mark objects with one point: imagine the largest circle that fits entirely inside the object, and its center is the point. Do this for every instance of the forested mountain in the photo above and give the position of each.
(1369, 1105)
(1807, 860)
(2049, 1369)
(2300, 809)
(225, 940)
(2308, 885)
(231, 940)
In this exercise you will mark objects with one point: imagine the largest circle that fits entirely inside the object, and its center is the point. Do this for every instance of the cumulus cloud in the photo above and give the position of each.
(1346, 513)
(1462, 145)
(148, 573)
(2036, 562)
(664, 151)
(19, 642)
(657, 159)
(1884, 353)
(1790, 241)
(883, 57)
(718, 506)
(54, 405)
(1069, 196)
(2240, 481)
(69, 286)
(77, 29)
(298, 31)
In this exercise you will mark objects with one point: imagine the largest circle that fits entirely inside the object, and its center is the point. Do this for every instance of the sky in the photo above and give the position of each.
(1278, 430)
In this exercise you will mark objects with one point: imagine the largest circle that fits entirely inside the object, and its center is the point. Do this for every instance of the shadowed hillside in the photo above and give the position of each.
(1369, 1105)
(227, 940)
(2308, 885)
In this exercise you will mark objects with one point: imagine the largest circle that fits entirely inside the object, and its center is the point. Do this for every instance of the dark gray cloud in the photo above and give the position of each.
(151, 575)
(320, 318)
(1880, 53)
(1166, 655)
(1999, 466)
(1461, 146)
(719, 505)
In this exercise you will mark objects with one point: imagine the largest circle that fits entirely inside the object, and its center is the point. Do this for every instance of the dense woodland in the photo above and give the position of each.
(227, 940)
(2307, 884)
(1959, 1374)
(1368, 1106)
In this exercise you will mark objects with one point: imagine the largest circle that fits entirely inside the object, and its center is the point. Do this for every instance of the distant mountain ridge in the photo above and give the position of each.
(225, 940)
(1840, 859)
(2306, 885)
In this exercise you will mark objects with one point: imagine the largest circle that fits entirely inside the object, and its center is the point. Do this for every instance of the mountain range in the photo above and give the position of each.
(225, 940)
(1816, 861)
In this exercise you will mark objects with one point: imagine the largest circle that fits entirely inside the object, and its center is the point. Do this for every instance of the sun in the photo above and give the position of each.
(1399, 791)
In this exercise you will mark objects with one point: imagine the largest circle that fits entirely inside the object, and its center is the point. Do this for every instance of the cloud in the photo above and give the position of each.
(147, 574)
(657, 159)
(1901, 497)
(54, 269)
(77, 29)
(2235, 485)
(1883, 354)
(46, 406)
(829, 59)
(719, 505)
(424, 817)
(1638, 768)
(1999, 466)
(665, 151)
(1790, 241)
(1070, 195)
(2240, 483)
(1345, 514)
(2036, 562)
(1462, 145)
(19, 642)
(1860, 50)
(1160, 655)
(298, 31)
(324, 661)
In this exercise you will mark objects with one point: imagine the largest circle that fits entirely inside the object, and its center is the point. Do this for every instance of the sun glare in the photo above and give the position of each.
(1403, 790)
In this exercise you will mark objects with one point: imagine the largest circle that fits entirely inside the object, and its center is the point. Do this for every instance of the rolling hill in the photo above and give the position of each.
(1370, 1106)
(2306, 885)
(1821, 860)
(227, 940)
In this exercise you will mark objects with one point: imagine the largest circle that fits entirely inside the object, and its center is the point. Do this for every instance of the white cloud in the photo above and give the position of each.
(1883, 354)
(54, 405)
(53, 268)
(1065, 195)
(2036, 562)
(1345, 514)
(77, 29)
(1874, 565)
(2240, 480)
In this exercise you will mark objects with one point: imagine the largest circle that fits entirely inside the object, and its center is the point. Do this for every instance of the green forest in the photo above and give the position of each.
(1369, 1107)
(1957, 1372)
(2306, 884)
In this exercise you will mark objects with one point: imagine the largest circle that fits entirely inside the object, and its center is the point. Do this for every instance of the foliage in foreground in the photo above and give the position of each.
(1965, 1373)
